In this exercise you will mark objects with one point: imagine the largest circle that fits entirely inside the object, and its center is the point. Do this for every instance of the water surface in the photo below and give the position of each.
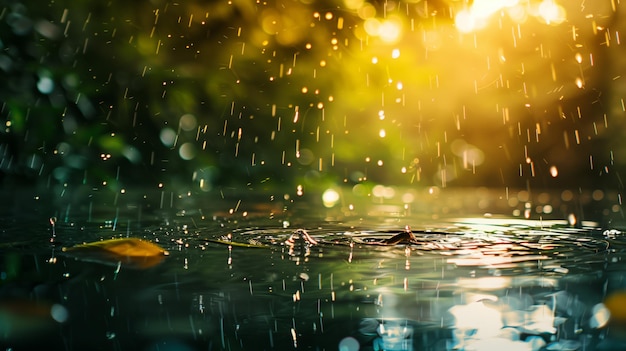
(486, 272)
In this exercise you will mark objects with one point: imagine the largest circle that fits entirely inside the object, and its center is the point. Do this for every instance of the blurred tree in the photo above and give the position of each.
(278, 93)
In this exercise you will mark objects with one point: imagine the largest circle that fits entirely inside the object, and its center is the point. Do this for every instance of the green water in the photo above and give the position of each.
(478, 278)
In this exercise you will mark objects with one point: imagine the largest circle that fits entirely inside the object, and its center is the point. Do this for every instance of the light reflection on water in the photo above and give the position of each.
(486, 282)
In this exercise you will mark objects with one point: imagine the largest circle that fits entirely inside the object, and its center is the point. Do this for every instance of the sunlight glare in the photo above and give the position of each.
(330, 198)
(354, 4)
(465, 21)
(476, 16)
(390, 30)
(465, 318)
(479, 13)
(551, 13)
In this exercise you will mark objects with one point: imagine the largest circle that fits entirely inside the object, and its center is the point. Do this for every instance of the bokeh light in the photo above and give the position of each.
(330, 198)
(503, 93)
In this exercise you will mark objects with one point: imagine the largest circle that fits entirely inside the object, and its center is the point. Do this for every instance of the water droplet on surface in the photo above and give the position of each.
(59, 313)
(349, 344)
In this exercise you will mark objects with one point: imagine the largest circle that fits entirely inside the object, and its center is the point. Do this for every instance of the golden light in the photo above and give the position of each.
(270, 21)
(408, 198)
(354, 4)
(366, 11)
(579, 83)
(465, 22)
(485, 8)
(372, 26)
(390, 30)
(382, 191)
(330, 198)
(551, 12)
(477, 16)
(579, 57)
(554, 172)
(517, 13)
(416, 84)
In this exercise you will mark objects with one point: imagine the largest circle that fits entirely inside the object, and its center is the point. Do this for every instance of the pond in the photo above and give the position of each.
(483, 272)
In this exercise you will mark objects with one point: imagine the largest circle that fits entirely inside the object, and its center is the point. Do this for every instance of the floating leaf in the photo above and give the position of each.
(234, 243)
(132, 252)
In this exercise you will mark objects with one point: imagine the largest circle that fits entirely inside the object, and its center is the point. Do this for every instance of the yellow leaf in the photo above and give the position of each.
(132, 252)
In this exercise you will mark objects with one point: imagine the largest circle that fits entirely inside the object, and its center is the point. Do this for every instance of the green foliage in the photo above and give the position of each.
(278, 92)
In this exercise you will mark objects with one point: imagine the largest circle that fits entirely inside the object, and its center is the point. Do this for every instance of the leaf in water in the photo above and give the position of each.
(234, 243)
(131, 252)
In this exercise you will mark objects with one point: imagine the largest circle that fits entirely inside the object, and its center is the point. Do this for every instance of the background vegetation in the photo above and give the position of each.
(281, 93)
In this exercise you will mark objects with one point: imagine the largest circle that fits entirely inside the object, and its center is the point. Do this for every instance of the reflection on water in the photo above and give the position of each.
(279, 276)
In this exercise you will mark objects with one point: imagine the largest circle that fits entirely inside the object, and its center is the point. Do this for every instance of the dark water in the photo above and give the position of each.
(491, 270)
